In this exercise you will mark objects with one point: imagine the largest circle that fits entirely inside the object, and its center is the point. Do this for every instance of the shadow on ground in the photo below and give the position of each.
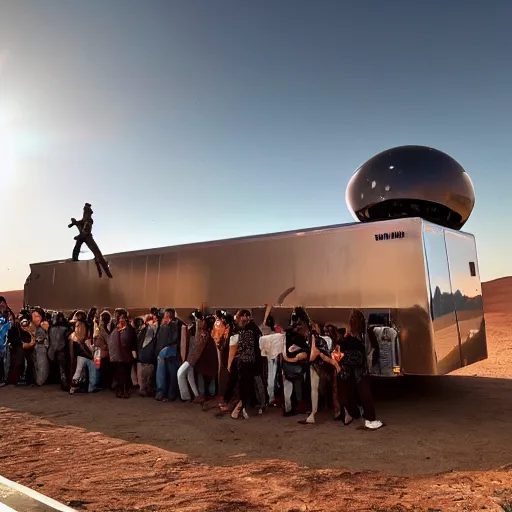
(434, 425)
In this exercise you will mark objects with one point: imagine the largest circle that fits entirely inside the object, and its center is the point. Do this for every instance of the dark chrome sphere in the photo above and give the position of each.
(411, 181)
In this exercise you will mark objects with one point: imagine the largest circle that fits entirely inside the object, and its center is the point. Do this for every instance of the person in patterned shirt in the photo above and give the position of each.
(242, 363)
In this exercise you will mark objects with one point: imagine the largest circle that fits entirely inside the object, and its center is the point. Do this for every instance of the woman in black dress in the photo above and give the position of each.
(353, 376)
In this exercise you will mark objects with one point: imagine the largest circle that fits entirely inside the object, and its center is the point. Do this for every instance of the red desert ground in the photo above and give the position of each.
(446, 446)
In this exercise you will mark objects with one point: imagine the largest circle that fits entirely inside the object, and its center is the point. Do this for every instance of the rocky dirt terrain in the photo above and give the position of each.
(446, 446)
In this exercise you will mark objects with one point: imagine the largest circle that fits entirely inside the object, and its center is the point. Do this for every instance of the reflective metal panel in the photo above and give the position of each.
(442, 307)
(341, 266)
(153, 270)
(138, 278)
(168, 272)
(193, 279)
(365, 266)
(467, 294)
(117, 290)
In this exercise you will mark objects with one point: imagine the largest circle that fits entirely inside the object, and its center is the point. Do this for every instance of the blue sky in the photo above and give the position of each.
(191, 120)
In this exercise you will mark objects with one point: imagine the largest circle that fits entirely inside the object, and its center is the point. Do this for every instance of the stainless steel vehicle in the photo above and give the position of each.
(418, 282)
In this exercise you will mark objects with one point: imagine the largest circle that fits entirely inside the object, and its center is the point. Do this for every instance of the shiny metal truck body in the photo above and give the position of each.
(417, 278)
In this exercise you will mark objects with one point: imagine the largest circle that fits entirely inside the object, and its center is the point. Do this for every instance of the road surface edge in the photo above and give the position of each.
(35, 495)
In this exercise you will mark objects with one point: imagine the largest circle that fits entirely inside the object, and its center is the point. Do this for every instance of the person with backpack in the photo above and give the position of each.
(58, 352)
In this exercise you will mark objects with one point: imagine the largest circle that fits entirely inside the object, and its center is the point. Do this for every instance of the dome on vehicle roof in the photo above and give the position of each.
(411, 181)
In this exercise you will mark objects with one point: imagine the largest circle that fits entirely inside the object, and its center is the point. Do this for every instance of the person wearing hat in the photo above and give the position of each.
(85, 230)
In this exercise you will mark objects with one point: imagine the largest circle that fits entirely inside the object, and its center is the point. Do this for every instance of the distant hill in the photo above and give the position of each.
(14, 299)
(497, 296)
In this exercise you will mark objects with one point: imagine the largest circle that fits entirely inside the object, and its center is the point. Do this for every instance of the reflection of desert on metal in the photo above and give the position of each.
(405, 265)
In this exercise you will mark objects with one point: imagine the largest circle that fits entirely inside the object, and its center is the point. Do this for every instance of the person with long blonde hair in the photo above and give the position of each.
(353, 376)
(81, 347)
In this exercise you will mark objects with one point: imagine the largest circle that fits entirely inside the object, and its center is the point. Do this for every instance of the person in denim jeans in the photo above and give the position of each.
(167, 375)
(94, 374)
(5, 326)
(82, 350)
(168, 342)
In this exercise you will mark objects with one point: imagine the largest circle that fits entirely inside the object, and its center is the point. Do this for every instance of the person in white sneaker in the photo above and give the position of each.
(353, 376)
(241, 364)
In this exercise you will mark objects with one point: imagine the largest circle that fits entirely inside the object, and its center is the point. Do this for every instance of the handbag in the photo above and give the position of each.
(292, 371)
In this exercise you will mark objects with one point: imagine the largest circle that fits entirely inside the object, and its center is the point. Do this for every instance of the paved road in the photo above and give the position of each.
(16, 498)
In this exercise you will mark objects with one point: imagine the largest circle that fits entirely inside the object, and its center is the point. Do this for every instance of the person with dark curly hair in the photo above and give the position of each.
(200, 347)
(122, 347)
(39, 343)
(242, 363)
(146, 355)
(307, 346)
(102, 331)
(17, 337)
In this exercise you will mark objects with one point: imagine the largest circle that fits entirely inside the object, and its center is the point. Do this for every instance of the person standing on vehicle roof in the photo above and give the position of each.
(84, 226)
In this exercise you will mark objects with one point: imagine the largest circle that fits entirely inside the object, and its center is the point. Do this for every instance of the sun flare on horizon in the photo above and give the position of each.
(8, 133)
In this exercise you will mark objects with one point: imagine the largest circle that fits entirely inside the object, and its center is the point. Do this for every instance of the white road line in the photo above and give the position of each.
(34, 495)
(5, 508)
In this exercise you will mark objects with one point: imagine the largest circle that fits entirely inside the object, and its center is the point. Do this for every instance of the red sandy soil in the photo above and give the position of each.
(446, 447)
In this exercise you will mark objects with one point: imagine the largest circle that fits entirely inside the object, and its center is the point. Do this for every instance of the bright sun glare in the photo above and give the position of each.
(9, 115)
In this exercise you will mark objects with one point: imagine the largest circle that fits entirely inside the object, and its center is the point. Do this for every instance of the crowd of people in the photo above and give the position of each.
(229, 358)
